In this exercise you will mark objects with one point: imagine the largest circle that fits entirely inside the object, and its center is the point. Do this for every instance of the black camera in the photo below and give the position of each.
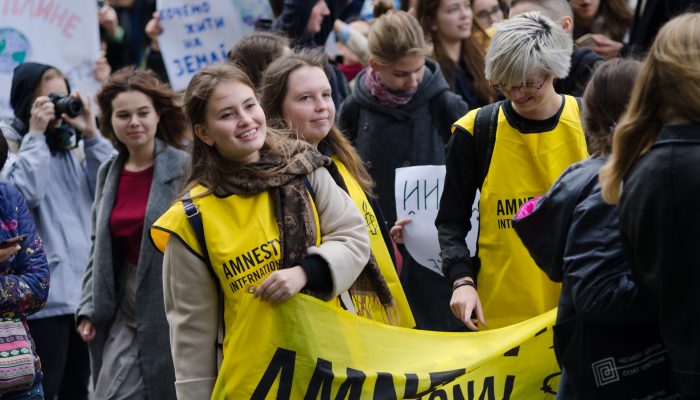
(70, 106)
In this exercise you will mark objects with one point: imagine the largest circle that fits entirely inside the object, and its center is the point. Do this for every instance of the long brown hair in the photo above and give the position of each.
(470, 53)
(667, 89)
(172, 126)
(616, 16)
(605, 100)
(275, 84)
(209, 168)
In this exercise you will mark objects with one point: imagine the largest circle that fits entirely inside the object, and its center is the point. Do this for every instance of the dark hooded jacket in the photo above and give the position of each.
(573, 236)
(25, 79)
(413, 134)
(583, 64)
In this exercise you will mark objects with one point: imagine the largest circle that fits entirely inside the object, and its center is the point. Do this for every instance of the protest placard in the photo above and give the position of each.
(63, 34)
(417, 192)
(196, 34)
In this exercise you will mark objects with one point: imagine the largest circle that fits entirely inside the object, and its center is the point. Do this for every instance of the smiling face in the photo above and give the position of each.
(403, 75)
(308, 105)
(532, 95)
(234, 123)
(453, 20)
(318, 13)
(134, 120)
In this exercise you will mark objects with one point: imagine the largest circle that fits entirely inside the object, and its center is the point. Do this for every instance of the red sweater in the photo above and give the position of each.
(129, 212)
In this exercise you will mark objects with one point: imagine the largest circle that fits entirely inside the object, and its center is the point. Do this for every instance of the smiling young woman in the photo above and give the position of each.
(248, 183)
(537, 134)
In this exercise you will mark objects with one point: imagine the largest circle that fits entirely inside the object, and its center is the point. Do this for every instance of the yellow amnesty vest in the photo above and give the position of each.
(243, 242)
(379, 250)
(523, 165)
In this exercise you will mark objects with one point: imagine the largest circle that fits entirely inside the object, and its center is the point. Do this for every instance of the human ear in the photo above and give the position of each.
(567, 23)
(203, 134)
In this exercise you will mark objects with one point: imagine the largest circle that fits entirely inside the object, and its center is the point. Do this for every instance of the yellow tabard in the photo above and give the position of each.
(242, 240)
(511, 286)
(379, 250)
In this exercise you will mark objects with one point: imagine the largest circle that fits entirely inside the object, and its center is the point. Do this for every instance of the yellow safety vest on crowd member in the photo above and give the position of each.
(243, 241)
(523, 165)
(379, 250)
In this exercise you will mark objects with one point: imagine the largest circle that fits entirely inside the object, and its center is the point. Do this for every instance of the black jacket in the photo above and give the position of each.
(573, 236)
(660, 224)
(413, 134)
(583, 64)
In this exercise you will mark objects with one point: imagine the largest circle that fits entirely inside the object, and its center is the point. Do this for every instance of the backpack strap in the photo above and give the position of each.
(195, 219)
(310, 188)
(485, 125)
(579, 101)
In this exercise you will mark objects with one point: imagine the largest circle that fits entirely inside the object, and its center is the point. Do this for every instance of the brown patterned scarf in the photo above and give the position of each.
(295, 217)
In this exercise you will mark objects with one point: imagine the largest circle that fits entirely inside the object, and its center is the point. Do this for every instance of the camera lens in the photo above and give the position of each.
(66, 105)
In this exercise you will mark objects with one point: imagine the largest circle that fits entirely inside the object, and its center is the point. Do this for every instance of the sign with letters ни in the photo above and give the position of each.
(417, 192)
(196, 34)
(60, 33)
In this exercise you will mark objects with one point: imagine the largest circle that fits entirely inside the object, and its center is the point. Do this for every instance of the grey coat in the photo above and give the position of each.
(99, 298)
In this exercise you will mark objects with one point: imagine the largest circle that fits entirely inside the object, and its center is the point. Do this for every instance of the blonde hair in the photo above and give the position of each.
(527, 44)
(394, 35)
(274, 88)
(668, 88)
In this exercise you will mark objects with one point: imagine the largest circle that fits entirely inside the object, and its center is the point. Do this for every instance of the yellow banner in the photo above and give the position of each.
(306, 349)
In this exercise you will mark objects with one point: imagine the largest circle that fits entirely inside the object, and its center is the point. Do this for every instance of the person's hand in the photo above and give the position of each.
(604, 46)
(396, 231)
(102, 70)
(108, 20)
(153, 30)
(86, 330)
(282, 284)
(85, 122)
(464, 302)
(41, 114)
(9, 251)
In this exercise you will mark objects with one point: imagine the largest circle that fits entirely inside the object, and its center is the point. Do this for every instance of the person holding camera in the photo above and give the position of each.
(55, 168)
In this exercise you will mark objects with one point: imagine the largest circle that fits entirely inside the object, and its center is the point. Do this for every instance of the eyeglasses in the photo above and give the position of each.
(486, 14)
(529, 88)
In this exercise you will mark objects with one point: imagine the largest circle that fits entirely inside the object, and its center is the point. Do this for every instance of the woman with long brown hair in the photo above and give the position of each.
(295, 95)
(253, 188)
(607, 21)
(448, 25)
(653, 174)
(121, 313)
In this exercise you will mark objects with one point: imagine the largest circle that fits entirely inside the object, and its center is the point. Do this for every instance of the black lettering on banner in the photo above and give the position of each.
(427, 193)
(457, 393)
(321, 381)
(351, 389)
(227, 272)
(282, 364)
(510, 206)
(436, 379)
(406, 197)
(488, 389)
(504, 223)
(384, 388)
(438, 394)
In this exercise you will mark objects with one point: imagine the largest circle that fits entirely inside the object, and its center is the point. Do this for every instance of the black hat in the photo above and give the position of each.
(25, 79)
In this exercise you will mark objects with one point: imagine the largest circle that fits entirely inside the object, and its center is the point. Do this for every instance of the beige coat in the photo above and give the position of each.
(191, 297)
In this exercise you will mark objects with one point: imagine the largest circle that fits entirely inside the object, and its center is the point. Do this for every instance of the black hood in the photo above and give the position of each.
(25, 79)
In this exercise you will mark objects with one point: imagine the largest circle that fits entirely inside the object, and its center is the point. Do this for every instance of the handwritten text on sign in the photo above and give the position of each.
(196, 34)
(417, 192)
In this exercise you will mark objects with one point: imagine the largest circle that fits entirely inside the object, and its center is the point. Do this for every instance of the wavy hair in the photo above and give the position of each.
(209, 168)
(667, 89)
(172, 126)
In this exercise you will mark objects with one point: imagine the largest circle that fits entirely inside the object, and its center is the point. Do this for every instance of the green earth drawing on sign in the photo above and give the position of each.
(14, 49)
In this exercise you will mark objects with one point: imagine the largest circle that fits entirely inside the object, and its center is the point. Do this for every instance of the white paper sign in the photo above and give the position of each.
(60, 33)
(417, 192)
(196, 34)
